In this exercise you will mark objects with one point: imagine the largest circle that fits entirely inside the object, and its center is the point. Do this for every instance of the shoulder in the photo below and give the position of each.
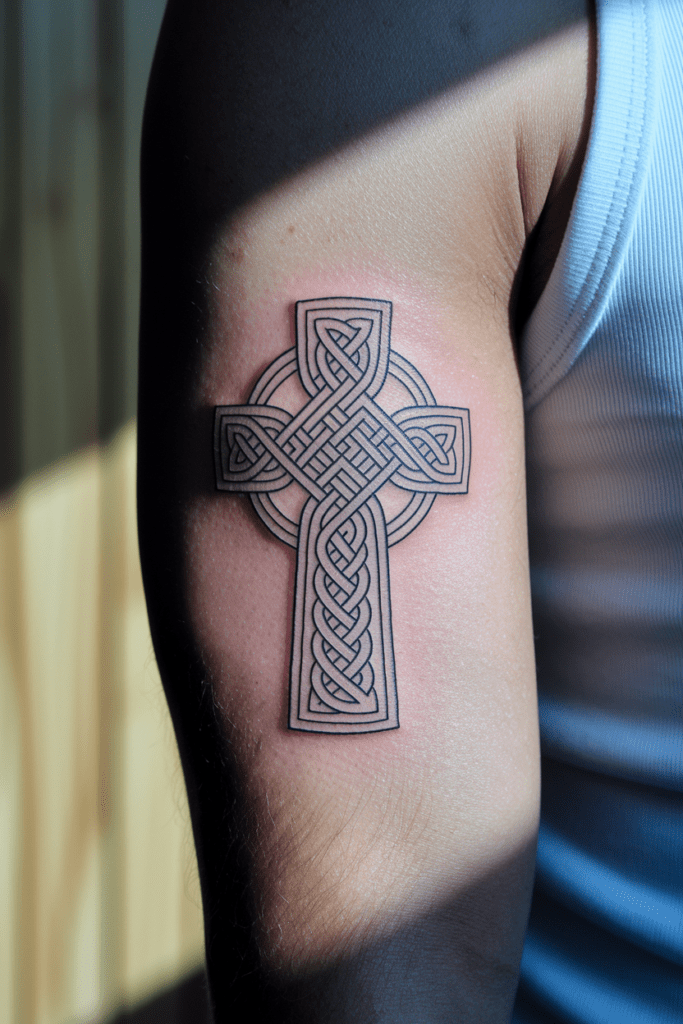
(468, 120)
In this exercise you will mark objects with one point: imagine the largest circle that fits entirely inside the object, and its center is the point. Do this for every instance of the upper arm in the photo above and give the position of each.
(347, 836)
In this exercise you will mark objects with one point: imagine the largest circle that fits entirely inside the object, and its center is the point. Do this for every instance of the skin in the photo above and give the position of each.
(382, 877)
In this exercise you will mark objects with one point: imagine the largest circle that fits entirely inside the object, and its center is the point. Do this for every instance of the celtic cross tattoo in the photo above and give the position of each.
(342, 447)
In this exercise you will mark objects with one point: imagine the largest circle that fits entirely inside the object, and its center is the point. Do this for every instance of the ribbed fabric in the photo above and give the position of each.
(609, 193)
(602, 363)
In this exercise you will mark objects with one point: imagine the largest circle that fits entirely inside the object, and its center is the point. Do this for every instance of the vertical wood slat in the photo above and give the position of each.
(11, 248)
(112, 215)
(60, 232)
(110, 392)
(94, 893)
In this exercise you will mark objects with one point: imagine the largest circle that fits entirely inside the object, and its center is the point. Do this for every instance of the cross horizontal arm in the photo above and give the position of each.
(256, 475)
(412, 435)
(417, 473)
(444, 433)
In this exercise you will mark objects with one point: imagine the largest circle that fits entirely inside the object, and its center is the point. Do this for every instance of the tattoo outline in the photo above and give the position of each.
(341, 447)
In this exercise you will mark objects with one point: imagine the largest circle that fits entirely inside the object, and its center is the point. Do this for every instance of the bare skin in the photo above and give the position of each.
(389, 874)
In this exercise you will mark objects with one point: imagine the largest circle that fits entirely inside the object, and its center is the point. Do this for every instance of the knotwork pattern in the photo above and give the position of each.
(342, 447)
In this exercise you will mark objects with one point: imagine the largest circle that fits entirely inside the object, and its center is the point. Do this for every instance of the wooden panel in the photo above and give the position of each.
(99, 900)
(72, 85)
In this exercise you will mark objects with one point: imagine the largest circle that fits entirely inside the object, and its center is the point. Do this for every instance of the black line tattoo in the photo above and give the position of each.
(341, 448)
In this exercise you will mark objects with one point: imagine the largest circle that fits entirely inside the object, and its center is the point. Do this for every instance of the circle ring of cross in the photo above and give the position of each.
(417, 506)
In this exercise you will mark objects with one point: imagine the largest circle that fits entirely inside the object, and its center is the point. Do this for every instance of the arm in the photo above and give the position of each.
(382, 875)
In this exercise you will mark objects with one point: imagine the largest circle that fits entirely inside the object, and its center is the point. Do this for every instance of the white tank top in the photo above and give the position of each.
(602, 371)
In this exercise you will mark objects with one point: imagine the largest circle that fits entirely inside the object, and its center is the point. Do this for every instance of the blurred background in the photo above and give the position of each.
(100, 915)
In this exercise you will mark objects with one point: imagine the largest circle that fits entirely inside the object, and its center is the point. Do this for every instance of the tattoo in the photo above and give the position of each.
(341, 448)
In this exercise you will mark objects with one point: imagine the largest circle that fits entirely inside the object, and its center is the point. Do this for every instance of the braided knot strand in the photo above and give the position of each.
(342, 677)
(342, 647)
